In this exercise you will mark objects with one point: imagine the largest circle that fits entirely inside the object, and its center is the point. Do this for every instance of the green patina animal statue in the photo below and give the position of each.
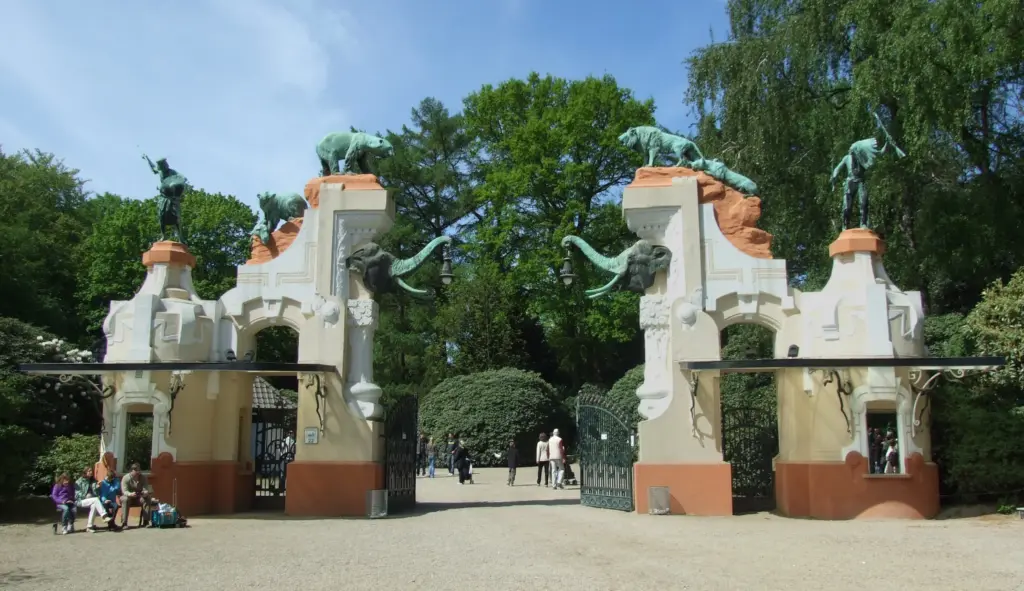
(280, 207)
(351, 148)
(858, 159)
(168, 203)
(382, 272)
(262, 231)
(635, 268)
(654, 143)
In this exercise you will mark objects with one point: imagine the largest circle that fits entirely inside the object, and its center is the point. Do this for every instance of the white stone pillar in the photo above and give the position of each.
(654, 320)
(362, 323)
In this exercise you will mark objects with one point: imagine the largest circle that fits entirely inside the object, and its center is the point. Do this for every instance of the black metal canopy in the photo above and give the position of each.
(917, 363)
(253, 367)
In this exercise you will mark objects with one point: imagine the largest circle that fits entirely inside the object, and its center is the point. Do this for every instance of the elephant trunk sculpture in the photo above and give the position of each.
(634, 268)
(382, 272)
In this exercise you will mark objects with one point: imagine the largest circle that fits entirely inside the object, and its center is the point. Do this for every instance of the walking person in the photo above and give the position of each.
(513, 461)
(556, 451)
(449, 454)
(421, 455)
(461, 461)
(431, 457)
(543, 461)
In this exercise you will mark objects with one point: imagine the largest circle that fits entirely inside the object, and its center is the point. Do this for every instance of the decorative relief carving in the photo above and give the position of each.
(362, 313)
(654, 319)
(339, 282)
(326, 310)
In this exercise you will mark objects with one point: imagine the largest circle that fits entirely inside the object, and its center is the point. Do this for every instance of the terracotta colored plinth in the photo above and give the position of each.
(281, 239)
(168, 253)
(203, 488)
(331, 489)
(735, 213)
(845, 490)
(857, 240)
(352, 182)
(694, 489)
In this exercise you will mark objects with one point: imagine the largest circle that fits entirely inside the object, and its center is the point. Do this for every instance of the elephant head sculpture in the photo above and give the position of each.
(382, 272)
(634, 268)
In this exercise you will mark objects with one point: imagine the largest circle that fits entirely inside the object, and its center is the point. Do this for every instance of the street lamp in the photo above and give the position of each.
(446, 267)
(567, 275)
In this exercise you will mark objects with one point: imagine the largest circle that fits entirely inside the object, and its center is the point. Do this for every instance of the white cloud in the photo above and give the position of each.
(234, 94)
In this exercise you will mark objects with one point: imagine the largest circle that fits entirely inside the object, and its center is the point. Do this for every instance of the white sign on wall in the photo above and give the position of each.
(312, 435)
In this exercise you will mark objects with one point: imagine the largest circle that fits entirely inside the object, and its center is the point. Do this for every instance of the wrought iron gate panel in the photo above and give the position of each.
(606, 455)
(400, 433)
(750, 442)
(272, 452)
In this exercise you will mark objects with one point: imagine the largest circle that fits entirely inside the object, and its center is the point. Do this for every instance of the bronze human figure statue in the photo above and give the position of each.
(860, 157)
(168, 203)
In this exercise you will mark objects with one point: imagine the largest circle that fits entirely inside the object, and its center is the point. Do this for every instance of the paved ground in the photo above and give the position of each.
(489, 537)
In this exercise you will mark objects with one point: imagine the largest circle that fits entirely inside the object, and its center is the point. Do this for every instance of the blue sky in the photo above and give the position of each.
(236, 93)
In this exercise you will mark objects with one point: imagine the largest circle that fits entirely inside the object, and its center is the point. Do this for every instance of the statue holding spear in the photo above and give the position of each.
(860, 157)
(172, 188)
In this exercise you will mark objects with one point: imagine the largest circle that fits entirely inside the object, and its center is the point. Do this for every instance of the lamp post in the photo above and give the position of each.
(446, 267)
(566, 275)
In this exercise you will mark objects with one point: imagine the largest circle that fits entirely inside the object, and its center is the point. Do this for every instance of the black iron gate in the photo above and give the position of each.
(273, 448)
(750, 442)
(400, 433)
(606, 455)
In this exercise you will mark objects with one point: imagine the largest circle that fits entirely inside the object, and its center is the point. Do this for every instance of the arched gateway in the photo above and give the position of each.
(702, 264)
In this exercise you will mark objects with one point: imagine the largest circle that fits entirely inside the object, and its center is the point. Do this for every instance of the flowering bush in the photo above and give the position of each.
(58, 348)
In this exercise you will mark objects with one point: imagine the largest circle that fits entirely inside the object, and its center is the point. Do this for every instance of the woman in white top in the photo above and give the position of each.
(543, 463)
(892, 457)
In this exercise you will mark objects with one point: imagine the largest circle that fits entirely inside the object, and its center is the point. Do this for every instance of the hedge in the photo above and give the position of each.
(488, 409)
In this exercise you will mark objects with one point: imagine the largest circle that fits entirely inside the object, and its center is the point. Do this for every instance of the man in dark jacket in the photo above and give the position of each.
(513, 461)
(449, 453)
(461, 457)
(421, 455)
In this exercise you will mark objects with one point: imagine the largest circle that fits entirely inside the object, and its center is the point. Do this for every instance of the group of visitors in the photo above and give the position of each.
(550, 457)
(883, 452)
(456, 456)
(101, 499)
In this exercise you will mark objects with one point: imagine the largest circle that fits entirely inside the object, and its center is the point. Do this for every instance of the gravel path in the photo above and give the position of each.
(489, 537)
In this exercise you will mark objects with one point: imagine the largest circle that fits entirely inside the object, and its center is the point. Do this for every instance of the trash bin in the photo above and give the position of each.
(658, 500)
(377, 503)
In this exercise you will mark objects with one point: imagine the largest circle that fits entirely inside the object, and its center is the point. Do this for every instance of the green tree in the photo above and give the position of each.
(748, 390)
(216, 228)
(40, 228)
(788, 93)
(547, 162)
(429, 175)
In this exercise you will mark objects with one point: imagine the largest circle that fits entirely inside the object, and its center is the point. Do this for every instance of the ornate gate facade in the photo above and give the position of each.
(750, 442)
(273, 445)
(400, 433)
(606, 455)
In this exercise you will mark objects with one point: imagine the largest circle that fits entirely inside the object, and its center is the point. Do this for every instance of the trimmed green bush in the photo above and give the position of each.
(488, 409)
(138, 441)
(622, 396)
(66, 454)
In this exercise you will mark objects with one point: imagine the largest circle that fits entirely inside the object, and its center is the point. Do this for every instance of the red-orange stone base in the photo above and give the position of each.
(331, 489)
(694, 489)
(168, 252)
(845, 490)
(857, 240)
(203, 488)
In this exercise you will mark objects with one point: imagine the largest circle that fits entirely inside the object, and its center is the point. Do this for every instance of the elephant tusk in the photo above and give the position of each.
(414, 291)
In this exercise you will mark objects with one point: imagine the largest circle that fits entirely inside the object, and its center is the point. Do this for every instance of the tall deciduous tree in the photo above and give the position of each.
(41, 226)
(792, 88)
(547, 163)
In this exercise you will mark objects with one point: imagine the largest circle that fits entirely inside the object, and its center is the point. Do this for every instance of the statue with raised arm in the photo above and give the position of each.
(654, 142)
(382, 272)
(168, 203)
(634, 268)
(348, 151)
(858, 159)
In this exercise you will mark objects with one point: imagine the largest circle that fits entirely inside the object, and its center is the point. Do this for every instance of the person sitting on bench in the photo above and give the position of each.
(110, 489)
(87, 497)
(63, 494)
(135, 492)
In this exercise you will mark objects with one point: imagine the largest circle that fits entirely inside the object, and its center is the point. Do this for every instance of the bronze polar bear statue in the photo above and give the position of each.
(351, 148)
